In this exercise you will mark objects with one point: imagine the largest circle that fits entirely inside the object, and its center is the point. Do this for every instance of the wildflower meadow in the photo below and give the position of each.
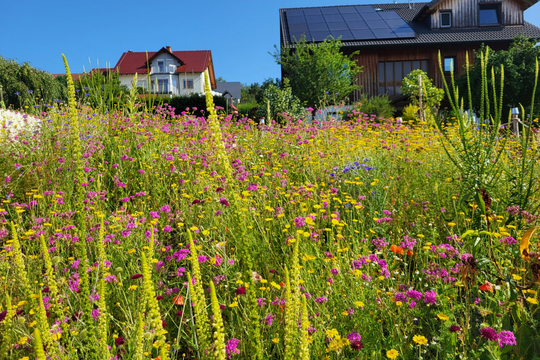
(141, 234)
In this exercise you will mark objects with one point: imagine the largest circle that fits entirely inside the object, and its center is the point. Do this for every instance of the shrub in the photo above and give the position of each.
(380, 106)
(410, 113)
(281, 103)
(245, 108)
(194, 100)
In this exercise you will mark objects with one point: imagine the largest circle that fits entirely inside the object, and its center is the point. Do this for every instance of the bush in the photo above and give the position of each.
(410, 113)
(195, 100)
(245, 108)
(380, 106)
(282, 104)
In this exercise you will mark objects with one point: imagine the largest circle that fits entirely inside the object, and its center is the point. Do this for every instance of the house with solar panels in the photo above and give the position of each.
(394, 39)
(166, 71)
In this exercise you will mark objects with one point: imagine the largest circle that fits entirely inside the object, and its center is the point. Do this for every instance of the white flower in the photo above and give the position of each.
(13, 123)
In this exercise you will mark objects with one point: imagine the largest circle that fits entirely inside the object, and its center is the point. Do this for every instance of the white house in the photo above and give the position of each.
(166, 71)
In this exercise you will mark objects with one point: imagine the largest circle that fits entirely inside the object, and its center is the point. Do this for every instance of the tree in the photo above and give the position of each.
(519, 67)
(319, 73)
(254, 92)
(22, 84)
(431, 95)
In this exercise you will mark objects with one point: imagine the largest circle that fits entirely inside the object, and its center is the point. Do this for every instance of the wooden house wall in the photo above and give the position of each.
(465, 13)
(369, 59)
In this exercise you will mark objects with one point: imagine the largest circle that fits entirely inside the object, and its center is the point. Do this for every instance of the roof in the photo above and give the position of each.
(231, 87)
(132, 62)
(77, 76)
(423, 34)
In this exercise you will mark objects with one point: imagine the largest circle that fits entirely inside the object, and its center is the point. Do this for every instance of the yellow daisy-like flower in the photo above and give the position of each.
(420, 339)
(392, 354)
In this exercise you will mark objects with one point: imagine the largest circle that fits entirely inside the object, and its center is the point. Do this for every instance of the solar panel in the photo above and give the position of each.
(370, 16)
(296, 20)
(320, 35)
(361, 22)
(297, 35)
(357, 25)
(298, 27)
(394, 24)
(321, 26)
(384, 33)
(333, 18)
(364, 34)
(345, 35)
(294, 12)
(337, 25)
(389, 15)
(330, 10)
(314, 18)
(352, 17)
(347, 10)
(365, 9)
(376, 24)
(312, 11)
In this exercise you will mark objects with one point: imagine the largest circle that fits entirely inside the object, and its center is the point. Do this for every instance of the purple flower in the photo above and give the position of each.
(430, 297)
(321, 299)
(299, 221)
(231, 347)
(354, 336)
(506, 338)
(454, 328)
(489, 334)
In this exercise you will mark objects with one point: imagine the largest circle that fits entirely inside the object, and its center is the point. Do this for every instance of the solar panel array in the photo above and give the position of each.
(360, 22)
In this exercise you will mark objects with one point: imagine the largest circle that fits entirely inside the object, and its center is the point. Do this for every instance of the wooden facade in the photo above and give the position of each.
(370, 60)
(465, 13)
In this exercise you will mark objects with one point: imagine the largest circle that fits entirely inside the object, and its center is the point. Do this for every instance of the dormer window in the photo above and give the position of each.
(446, 18)
(489, 14)
(161, 66)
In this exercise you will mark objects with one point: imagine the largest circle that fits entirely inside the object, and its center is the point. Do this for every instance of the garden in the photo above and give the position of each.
(154, 233)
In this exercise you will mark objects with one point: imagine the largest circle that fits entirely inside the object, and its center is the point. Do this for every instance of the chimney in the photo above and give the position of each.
(168, 48)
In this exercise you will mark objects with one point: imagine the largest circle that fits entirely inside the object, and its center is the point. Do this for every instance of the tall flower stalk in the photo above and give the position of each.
(219, 331)
(243, 244)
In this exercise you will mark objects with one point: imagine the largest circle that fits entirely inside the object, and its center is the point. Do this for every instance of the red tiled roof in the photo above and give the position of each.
(135, 62)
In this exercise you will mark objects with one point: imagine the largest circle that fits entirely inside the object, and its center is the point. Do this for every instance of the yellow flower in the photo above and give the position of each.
(392, 354)
(532, 300)
(275, 340)
(23, 340)
(420, 339)
(360, 304)
(443, 317)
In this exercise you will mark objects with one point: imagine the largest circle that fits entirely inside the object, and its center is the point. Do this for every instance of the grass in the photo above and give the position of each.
(368, 219)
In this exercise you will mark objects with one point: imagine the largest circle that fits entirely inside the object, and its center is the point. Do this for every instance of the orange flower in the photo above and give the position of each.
(178, 300)
(396, 249)
(409, 252)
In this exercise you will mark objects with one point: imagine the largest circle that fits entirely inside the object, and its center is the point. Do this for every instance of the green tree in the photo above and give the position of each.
(22, 84)
(431, 95)
(254, 92)
(319, 73)
(519, 67)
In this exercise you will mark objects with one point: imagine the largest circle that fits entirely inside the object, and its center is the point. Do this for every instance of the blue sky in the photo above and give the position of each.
(240, 34)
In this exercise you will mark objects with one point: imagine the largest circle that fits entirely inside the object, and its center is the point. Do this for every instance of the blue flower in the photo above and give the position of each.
(17, 93)
(30, 91)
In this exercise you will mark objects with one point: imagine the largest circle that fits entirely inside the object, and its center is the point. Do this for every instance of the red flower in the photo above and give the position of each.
(241, 290)
(487, 286)
(136, 276)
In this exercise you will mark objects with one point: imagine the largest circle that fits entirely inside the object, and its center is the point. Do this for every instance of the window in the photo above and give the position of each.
(489, 14)
(163, 86)
(449, 63)
(391, 73)
(161, 67)
(188, 84)
(446, 19)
